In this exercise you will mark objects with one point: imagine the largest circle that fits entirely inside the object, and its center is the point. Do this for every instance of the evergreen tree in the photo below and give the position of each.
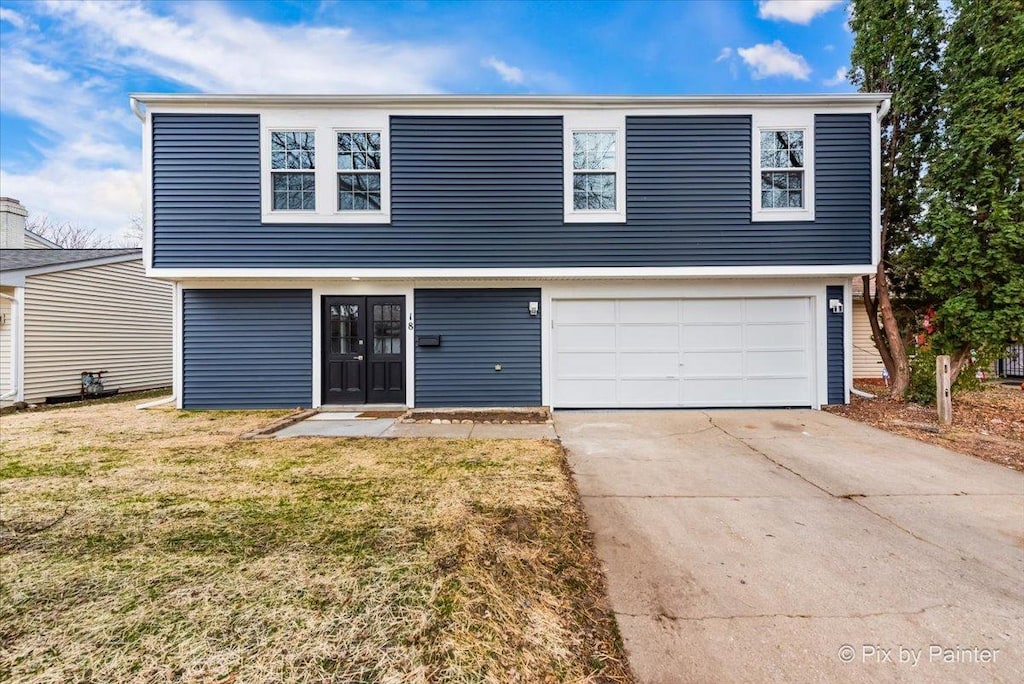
(975, 200)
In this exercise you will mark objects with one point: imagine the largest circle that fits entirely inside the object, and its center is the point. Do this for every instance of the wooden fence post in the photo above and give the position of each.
(942, 395)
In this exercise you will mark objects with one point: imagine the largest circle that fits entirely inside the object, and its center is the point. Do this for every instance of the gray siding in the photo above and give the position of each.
(478, 329)
(836, 349)
(247, 348)
(487, 191)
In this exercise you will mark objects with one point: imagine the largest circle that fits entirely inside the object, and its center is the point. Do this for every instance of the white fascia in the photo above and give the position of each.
(325, 124)
(585, 272)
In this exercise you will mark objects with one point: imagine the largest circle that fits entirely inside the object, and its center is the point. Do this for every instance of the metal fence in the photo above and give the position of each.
(1012, 365)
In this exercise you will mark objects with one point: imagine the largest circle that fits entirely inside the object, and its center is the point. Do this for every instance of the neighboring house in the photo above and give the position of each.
(867, 363)
(500, 250)
(65, 311)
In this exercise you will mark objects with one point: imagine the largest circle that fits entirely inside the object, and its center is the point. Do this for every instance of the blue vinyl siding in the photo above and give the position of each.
(487, 192)
(479, 329)
(247, 348)
(836, 348)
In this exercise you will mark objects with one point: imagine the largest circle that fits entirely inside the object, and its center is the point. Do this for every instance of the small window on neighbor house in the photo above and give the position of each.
(292, 169)
(359, 169)
(782, 169)
(593, 171)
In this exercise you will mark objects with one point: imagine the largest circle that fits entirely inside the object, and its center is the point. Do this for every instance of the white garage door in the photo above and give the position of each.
(682, 352)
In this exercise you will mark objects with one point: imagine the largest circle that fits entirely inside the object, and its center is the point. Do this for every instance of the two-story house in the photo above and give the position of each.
(506, 251)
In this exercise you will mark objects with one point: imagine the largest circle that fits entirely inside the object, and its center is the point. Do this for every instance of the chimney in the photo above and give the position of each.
(12, 224)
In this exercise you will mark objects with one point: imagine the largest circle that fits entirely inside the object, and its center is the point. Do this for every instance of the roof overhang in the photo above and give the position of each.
(16, 277)
(508, 101)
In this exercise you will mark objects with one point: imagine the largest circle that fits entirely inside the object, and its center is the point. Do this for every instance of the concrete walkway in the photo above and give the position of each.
(348, 425)
(800, 546)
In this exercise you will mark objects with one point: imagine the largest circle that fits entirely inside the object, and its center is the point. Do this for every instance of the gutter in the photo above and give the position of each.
(510, 101)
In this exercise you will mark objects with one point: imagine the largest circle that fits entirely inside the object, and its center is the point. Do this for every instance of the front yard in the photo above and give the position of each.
(155, 546)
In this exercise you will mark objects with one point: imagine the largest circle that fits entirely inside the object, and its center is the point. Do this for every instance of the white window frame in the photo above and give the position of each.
(595, 122)
(362, 215)
(269, 202)
(325, 124)
(777, 120)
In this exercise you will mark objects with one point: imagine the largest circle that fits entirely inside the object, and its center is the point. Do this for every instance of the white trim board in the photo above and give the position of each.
(507, 101)
(586, 272)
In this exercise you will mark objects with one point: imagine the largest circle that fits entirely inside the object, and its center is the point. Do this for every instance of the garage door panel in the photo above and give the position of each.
(581, 393)
(712, 311)
(649, 392)
(707, 392)
(585, 364)
(659, 365)
(649, 311)
(586, 338)
(776, 310)
(776, 392)
(683, 352)
(712, 336)
(648, 337)
(775, 336)
(716, 364)
(586, 311)
(776, 363)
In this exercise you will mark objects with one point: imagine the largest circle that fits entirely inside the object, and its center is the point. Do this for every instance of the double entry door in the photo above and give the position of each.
(363, 350)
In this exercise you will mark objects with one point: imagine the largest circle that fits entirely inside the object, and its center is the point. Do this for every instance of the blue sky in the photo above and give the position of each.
(70, 147)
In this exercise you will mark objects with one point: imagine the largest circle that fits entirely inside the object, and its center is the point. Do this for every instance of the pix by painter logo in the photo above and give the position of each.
(904, 655)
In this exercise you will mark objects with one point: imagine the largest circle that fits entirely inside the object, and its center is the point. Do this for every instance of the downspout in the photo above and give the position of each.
(15, 356)
(136, 110)
(883, 109)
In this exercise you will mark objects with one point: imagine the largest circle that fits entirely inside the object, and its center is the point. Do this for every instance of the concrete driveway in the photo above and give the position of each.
(800, 546)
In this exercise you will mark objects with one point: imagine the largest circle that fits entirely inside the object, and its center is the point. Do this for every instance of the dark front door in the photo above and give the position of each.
(364, 360)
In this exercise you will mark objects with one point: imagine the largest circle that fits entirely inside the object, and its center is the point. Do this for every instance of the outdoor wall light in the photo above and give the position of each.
(835, 306)
(534, 308)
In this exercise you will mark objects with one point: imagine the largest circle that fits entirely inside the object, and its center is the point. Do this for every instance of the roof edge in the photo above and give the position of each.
(597, 101)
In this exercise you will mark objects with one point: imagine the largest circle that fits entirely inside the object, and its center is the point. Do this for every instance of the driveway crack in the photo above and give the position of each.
(795, 616)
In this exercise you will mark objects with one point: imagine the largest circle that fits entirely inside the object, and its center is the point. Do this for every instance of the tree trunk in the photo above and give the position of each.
(871, 306)
(957, 363)
(899, 372)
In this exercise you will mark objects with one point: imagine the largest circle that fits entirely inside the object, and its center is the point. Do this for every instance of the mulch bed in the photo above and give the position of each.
(988, 424)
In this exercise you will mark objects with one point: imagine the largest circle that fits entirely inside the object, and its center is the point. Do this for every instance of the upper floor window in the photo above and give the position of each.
(298, 186)
(595, 169)
(783, 167)
(359, 169)
(293, 170)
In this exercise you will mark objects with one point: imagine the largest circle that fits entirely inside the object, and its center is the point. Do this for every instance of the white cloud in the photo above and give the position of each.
(796, 11)
(210, 49)
(509, 74)
(12, 18)
(725, 54)
(774, 60)
(840, 77)
(68, 84)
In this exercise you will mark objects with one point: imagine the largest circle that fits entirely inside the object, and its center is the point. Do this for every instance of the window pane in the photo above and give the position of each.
(359, 150)
(593, 151)
(594, 191)
(782, 190)
(292, 150)
(294, 191)
(782, 149)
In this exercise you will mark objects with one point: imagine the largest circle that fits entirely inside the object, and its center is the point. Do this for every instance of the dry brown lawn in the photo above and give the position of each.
(154, 546)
